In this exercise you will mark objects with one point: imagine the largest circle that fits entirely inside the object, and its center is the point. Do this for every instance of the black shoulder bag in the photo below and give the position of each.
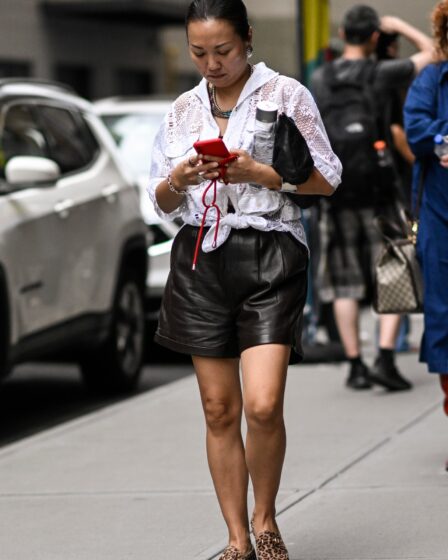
(292, 159)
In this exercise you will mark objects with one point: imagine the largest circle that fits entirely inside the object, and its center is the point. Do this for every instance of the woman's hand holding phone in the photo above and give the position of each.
(215, 150)
(193, 171)
(215, 161)
(244, 169)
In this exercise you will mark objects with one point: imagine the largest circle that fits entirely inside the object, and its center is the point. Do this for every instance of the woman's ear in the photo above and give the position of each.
(250, 36)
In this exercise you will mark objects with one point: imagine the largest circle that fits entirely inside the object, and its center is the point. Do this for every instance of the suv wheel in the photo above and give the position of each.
(115, 366)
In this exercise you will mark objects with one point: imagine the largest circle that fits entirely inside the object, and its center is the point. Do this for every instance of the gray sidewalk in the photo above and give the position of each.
(363, 477)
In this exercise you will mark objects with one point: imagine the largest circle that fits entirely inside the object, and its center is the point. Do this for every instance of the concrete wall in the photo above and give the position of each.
(28, 35)
(416, 12)
(106, 48)
(22, 35)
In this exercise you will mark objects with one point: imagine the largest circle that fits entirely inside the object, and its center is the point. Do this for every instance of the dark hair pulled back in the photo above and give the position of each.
(233, 11)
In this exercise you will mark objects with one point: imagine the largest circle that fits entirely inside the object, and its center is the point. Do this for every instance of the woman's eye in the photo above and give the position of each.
(198, 55)
(223, 53)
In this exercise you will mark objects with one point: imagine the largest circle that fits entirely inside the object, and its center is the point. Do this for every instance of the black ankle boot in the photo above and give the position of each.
(359, 375)
(386, 374)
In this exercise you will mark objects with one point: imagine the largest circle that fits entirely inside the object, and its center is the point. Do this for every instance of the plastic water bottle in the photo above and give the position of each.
(385, 188)
(384, 156)
(440, 145)
(386, 165)
(264, 135)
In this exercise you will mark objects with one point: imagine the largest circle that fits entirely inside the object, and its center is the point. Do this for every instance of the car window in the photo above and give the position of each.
(71, 143)
(134, 135)
(21, 135)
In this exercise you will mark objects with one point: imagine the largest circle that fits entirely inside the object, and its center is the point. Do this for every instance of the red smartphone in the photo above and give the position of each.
(214, 147)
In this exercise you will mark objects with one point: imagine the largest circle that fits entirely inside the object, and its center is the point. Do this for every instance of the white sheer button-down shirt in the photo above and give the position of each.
(190, 119)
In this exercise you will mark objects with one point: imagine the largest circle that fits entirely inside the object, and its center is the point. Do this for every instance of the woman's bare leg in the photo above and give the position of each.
(264, 379)
(220, 388)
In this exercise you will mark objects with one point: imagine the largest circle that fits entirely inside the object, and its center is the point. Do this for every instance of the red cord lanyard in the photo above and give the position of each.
(212, 184)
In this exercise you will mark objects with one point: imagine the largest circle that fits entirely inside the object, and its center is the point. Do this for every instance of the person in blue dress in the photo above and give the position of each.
(426, 115)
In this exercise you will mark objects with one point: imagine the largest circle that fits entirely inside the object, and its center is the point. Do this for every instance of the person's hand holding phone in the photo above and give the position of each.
(214, 150)
(235, 166)
(193, 171)
(239, 166)
(244, 169)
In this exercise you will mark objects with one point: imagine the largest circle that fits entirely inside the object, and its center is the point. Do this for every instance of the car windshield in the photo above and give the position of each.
(134, 135)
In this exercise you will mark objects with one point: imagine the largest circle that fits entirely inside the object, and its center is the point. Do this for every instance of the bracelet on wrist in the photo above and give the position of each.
(172, 188)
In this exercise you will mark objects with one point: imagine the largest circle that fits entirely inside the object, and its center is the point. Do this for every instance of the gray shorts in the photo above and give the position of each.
(350, 246)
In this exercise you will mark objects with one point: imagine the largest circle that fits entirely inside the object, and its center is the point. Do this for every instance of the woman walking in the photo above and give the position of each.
(426, 115)
(242, 304)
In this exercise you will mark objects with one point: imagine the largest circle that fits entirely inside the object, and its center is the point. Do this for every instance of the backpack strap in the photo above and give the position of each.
(368, 75)
(329, 74)
(332, 81)
(369, 72)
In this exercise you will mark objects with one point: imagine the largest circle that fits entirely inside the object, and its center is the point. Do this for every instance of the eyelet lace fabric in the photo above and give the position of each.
(190, 119)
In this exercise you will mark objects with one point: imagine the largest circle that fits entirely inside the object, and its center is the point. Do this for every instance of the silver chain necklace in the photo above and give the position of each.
(216, 109)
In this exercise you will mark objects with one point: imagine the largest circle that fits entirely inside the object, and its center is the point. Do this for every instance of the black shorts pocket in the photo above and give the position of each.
(294, 254)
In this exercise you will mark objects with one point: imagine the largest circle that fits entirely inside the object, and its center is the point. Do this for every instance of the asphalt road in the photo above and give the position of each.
(38, 396)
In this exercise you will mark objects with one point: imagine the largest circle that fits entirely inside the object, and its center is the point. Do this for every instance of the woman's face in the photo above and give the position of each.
(218, 51)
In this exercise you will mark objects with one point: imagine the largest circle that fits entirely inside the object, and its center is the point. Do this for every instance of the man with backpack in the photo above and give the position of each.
(353, 94)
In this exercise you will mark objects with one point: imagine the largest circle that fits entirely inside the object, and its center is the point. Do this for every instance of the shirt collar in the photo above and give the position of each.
(260, 76)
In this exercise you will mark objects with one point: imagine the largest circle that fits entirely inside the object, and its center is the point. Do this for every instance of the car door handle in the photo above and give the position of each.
(110, 193)
(62, 208)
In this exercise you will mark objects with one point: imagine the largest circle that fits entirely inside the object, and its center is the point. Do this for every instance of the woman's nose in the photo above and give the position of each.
(213, 63)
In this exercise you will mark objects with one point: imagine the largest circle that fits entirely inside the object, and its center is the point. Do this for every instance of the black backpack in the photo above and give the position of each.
(350, 117)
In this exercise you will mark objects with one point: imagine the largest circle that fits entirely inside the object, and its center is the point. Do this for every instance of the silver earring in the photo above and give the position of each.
(249, 51)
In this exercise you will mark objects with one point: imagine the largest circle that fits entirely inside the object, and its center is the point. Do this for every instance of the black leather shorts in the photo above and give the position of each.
(249, 291)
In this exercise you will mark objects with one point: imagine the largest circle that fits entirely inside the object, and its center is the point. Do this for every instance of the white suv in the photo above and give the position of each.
(73, 247)
(133, 123)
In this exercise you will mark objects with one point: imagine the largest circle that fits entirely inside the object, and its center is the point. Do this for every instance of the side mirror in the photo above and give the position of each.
(31, 170)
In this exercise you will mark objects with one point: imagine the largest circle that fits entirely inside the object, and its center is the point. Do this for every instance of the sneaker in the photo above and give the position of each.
(359, 377)
(388, 376)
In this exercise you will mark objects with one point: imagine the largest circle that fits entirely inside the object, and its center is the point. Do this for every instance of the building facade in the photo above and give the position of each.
(100, 47)
(118, 47)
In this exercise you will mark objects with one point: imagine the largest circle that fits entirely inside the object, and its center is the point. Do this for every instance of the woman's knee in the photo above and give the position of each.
(264, 413)
(221, 414)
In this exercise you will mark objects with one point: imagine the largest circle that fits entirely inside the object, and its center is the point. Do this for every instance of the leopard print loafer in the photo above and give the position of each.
(232, 553)
(270, 545)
